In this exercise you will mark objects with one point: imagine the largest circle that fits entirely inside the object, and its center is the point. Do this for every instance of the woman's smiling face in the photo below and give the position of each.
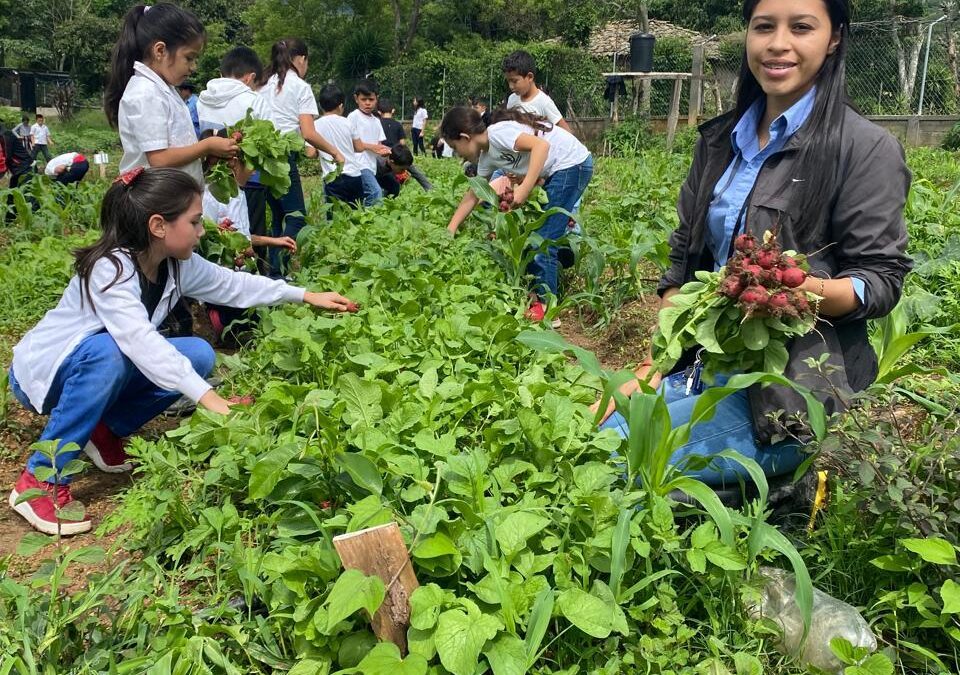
(787, 43)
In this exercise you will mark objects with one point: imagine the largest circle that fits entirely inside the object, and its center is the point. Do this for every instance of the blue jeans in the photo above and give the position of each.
(731, 427)
(97, 383)
(372, 192)
(564, 189)
(285, 223)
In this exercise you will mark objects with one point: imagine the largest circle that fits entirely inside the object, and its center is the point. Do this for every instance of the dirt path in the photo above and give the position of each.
(620, 345)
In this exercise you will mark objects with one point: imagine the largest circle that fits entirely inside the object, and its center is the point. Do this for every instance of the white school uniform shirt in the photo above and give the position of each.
(225, 101)
(286, 105)
(541, 104)
(41, 134)
(152, 116)
(66, 159)
(336, 130)
(120, 311)
(419, 119)
(235, 210)
(565, 150)
(368, 129)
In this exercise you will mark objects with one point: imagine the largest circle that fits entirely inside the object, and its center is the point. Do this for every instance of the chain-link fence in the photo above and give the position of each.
(889, 72)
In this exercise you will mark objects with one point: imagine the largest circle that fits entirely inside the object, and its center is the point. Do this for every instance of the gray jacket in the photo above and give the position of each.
(865, 237)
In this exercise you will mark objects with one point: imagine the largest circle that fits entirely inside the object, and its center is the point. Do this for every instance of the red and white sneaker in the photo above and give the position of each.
(537, 311)
(105, 450)
(40, 511)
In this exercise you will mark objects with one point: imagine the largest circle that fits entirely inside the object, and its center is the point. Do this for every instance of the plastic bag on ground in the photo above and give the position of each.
(830, 618)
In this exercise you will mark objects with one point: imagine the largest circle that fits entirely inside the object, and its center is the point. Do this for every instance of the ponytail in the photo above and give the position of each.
(282, 54)
(144, 26)
(125, 212)
(536, 122)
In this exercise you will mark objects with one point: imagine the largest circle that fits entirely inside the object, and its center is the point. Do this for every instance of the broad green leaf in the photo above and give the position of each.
(353, 591)
(362, 470)
(384, 659)
(506, 655)
(31, 494)
(425, 604)
(950, 595)
(725, 557)
(892, 563)
(428, 383)
(755, 334)
(878, 664)
(32, 542)
(747, 664)
(310, 667)
(460, 637)
(618, 549)
(269, 468)
(73, 512)
(518, 527)
(587, 612)
(554, 343)
(362, 401)
(932, 549)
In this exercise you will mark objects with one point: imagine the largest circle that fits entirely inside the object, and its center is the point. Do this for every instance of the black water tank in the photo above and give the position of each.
(641, 52)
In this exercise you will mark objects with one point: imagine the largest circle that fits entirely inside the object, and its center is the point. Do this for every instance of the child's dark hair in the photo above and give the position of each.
(124, 214)
(241, 61)
(537, 122)
(400, 155)
(282, 54)
(142, 28)
(818, 159)
(417, 102)
(330, 97)
(366, 87)
(461, 120)
(520, 62)
(39, 116)
(385, 105)
(25, 119)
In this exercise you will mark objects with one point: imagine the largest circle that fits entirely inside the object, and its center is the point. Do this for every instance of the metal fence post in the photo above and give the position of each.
(926, 62)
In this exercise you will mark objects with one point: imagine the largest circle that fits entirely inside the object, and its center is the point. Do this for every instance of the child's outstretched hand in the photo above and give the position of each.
(330, 300)
(220, 147)
(382, 150)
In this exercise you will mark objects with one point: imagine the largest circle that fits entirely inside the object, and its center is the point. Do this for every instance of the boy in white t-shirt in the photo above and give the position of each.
(521, 72)
(368, 137)
(40, 133)
(223, 103)
(332, 125)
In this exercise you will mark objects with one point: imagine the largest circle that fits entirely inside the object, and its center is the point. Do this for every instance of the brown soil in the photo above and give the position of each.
(621, 345)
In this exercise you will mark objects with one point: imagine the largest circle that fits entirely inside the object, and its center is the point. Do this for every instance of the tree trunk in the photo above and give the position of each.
(412, 26)
(644, 18)
(908, 59)
(397, 23)
(952, 49)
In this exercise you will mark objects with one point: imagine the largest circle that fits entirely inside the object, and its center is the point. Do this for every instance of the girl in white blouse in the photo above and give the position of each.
(156, 51)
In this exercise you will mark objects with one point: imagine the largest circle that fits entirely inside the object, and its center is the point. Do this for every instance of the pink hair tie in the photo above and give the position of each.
(128, 177)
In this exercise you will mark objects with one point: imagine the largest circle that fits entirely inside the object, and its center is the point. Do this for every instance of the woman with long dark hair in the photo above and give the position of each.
(796, 159)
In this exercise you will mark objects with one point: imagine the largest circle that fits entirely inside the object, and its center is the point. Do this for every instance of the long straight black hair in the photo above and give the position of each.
(144, 26)
(282, 54)
(124, 215)
(819, 156)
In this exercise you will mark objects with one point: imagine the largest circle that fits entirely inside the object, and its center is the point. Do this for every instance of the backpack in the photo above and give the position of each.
(3, 160)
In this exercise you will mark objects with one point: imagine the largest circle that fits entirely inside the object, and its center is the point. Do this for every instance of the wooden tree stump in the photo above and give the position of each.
(380, 551)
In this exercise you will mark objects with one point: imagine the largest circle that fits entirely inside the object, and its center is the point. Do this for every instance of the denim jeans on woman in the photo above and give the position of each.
(289, 216)
(730, 428)
(97, 383)
(564, 189)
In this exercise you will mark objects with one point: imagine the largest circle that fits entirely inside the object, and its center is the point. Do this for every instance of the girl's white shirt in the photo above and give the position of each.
(120, 311)
(286, 105)
(152, 116)
(419, 119)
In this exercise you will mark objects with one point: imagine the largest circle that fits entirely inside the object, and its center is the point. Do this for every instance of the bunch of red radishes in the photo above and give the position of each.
(741, 317)
(764, 280)
(506, 199)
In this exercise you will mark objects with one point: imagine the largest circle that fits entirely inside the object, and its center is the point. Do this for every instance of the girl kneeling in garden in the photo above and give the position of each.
(527, 148)
(795, 159)
(96, 363)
